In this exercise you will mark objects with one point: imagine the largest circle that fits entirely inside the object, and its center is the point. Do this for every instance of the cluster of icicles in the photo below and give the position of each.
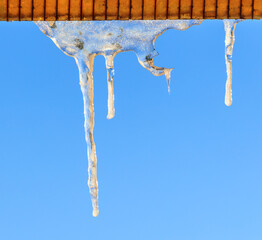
(85, 40)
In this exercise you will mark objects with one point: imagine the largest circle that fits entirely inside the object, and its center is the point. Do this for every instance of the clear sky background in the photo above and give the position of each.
(181, 166)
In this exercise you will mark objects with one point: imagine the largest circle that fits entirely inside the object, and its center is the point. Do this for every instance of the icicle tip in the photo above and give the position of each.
(95, 212)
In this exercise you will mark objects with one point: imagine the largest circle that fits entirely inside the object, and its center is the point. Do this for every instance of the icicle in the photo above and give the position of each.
(148, 63)
(110, 77)
(168, 77)
(229, 26)
(86, 82)
(84, 40)
(111, 37)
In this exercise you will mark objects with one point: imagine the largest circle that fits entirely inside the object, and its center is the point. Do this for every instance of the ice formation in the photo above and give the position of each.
(229, 26)
(85, 40)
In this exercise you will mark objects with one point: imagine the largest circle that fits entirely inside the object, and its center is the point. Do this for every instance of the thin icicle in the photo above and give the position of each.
(168, 78)
(87, 88)
(110, 77)
(229, 26)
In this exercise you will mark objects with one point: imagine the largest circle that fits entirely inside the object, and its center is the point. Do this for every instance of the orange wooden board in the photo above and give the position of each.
(28, 10)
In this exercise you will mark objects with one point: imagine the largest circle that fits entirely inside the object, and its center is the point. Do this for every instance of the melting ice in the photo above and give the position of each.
(85, 40)
(229, 26)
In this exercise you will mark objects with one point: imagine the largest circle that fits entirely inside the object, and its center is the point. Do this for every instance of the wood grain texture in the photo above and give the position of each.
(257, 13)
(3, 10)
(38, 10)
(161, 9)
(198, 9)
(246, 9)
(186, 9)
(87, 9)
(149, 9)
(234, 9)
(136, 9)
(13, 9)
(99, 9)
(112, 10)
(75, 10)
(124, 9)
(174, 9)
(28, 10)
(222, 9)
(50, 10)
(210, 9)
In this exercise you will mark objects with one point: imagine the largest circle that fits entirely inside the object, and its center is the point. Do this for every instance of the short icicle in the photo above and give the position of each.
(110, 77)
(229, 26)
(87, 87)
(146, 60)
(168, 78)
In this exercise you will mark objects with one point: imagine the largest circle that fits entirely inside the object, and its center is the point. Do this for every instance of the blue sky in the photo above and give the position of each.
(181, 166)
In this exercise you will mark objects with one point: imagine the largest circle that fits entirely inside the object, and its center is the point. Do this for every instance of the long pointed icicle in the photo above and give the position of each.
(87, 88)
(83, 40)
(110, 77)
(229, 26)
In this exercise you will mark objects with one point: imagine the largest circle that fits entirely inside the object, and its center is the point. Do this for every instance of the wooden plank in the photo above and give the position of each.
(149, 9)
(75, 10)
(234, 9)
(161, 9)
(136, 9)
(222, 9)
(210, 9)
(124, 9)
(13, 10)
(185, 9)
(198, 9)
(173, 9)
(246, 9)
(87, 9)
(112, 10)
(38, 10)
(50, 10)
(257, 14)
(26, 10)
(99, 9)
(3, 10)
